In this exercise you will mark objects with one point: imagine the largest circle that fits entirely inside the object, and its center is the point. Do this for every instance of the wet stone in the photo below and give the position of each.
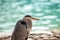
(39, 36)
(57, 35)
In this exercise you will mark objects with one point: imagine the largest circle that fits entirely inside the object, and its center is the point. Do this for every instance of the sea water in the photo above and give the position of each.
(48, 11)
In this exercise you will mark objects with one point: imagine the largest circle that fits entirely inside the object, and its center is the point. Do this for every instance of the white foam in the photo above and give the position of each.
(27, 8)
(37, 32)
(39, 14)
(52, 25)
(50, 17)
(40, 28)
(55, 1)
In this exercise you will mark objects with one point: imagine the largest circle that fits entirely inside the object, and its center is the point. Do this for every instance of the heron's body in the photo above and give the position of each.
(20, 31)
(22, 28)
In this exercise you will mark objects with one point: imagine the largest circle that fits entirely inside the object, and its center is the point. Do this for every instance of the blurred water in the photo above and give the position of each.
(48, 11)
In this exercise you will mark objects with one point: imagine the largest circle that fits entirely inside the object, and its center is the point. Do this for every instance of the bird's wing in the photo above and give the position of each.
(20, 30)
(20, 27)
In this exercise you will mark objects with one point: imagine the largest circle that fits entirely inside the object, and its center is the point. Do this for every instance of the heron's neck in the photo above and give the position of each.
(29, 22)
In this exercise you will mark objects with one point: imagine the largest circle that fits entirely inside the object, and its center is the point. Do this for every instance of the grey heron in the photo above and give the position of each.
(23, 28)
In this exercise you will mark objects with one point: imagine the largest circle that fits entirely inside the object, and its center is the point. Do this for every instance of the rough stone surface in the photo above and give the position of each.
(35, 36)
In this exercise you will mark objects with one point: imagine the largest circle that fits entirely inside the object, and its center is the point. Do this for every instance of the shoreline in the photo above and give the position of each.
(42, 35)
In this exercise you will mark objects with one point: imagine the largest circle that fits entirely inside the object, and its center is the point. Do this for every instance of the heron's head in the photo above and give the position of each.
(30, 17)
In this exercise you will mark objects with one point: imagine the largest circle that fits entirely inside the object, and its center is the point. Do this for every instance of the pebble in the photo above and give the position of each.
(42, 36)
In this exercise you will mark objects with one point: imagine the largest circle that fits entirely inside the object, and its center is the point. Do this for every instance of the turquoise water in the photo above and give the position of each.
(48, 11)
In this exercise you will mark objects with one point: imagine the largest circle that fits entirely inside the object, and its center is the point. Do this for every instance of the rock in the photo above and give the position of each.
(56, 31)
(36, 37)
(53, 38)
(30, 39)
(44, 36)
(40, 39)
(57, 35)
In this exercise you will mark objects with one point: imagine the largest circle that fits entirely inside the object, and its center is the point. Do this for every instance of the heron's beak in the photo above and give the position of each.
(35, 19)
